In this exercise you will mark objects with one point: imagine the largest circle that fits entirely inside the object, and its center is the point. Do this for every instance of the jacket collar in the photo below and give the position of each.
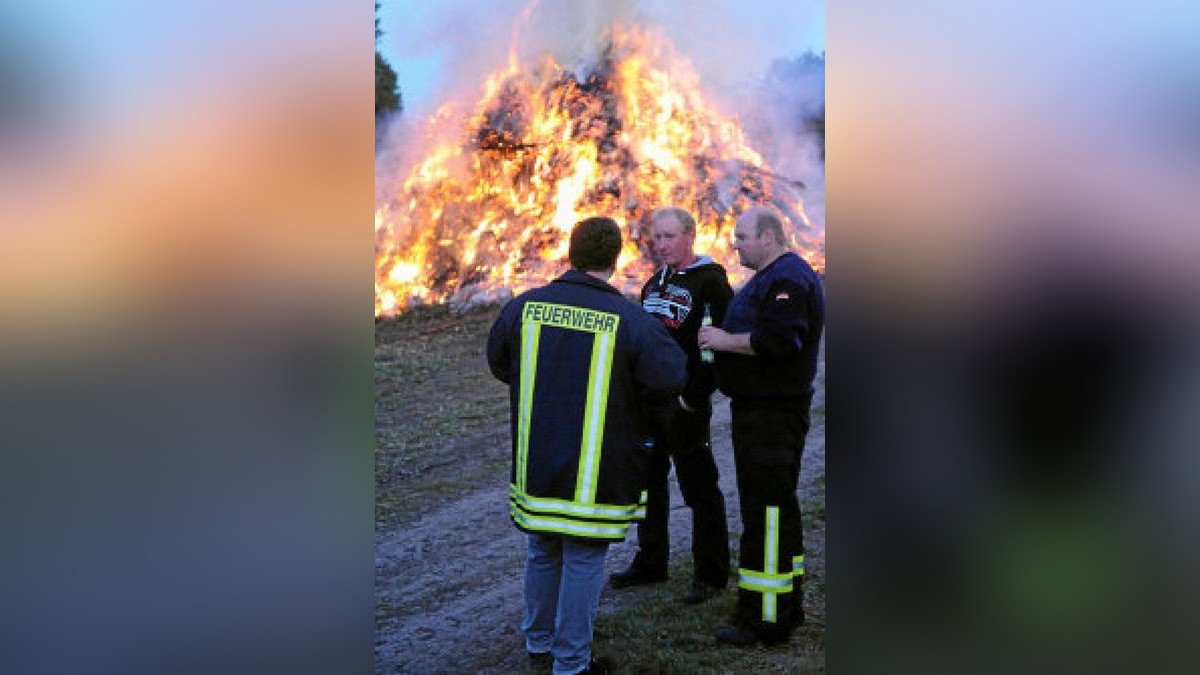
(665, 271)
(574, 276)
(776, 261)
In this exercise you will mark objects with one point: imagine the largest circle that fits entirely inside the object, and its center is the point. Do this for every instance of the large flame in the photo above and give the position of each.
(491, 212)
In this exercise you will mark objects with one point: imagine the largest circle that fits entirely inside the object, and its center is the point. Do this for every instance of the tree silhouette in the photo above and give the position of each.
(387, 94)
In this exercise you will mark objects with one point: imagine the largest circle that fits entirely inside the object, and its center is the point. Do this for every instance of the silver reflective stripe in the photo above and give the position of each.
(771, 562)
(530, 334)
(574, 509)
(763, 582)
(603, 327)
(563, 526)
(771, 583)
(593, 418)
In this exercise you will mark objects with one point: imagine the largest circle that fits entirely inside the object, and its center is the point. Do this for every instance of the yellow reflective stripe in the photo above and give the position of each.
(771, 541)
(771, 561)
(530, 334)
(570, 508)
(565, 526)
(770, 578)
(593, 417)
(763, 582)
(768, 590)
(602, 325)
(771, 582)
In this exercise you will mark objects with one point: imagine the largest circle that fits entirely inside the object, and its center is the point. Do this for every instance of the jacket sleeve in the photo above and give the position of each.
(499, 343)
(660, 365)
(783, 319)
(703, 382)
(720, 293)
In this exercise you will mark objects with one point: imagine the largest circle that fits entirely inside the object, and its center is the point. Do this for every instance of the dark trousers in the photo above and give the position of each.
(683, 437)
(768, 439)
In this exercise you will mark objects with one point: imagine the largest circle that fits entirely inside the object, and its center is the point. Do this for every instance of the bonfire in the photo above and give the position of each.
(489, 213)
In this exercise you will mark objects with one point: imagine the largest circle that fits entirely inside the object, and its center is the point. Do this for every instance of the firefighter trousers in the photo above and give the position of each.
(683, 438)
(768, 439)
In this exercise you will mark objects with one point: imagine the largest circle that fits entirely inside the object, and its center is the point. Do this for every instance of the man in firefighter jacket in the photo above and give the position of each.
(766, 361)
(685, 292)
(579, 359)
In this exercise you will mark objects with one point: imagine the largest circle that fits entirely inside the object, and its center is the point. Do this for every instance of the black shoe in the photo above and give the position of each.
(599, 665)
(699, 592)
(736, 636)
(636, 576)
(541, 660)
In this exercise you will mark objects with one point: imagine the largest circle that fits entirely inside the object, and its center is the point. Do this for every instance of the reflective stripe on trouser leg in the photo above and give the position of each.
(798, 566)
(769, 582)
(770, 560)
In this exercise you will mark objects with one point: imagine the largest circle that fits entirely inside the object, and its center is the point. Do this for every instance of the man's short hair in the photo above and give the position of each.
(595, 244)
(682, 216)
(767, 220)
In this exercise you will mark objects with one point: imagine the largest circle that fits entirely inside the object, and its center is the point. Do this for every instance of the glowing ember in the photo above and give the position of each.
(492, 212)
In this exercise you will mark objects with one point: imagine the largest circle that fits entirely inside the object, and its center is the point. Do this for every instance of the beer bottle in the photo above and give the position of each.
(706, 355)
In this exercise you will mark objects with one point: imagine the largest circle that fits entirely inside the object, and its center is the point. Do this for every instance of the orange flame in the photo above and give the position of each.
(491, 212)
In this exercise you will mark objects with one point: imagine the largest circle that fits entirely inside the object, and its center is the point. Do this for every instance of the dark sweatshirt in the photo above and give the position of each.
(677, 298)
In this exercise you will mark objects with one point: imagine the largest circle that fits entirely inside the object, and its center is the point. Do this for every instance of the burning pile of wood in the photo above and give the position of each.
(492, 215)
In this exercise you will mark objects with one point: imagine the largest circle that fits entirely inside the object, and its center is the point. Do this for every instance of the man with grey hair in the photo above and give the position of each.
(686, 291)
(766, 350)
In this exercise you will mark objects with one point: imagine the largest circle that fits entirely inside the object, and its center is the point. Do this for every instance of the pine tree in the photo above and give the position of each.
(387, 95)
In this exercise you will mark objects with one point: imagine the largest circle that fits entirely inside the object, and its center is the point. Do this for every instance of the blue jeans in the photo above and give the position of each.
(563, 578)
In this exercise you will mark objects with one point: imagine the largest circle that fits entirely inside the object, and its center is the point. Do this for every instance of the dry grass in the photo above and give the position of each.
(432, 386)
(655, 633)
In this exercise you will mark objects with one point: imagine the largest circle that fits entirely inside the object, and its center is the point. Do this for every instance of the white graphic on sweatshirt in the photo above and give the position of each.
(672, 305)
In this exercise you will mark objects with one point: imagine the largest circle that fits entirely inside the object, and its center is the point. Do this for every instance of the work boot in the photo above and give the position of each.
(637, 576)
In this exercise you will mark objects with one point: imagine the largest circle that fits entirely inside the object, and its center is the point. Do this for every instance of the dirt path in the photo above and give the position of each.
(449, 593)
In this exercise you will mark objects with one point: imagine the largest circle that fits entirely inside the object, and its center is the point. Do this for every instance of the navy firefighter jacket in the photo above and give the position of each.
(783, 308)
(579, 359)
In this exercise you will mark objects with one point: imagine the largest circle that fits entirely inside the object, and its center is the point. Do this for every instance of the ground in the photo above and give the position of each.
(449, 562)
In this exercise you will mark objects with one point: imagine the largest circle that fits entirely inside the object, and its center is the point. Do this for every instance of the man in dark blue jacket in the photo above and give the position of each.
(767, 349)
(578, 358)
